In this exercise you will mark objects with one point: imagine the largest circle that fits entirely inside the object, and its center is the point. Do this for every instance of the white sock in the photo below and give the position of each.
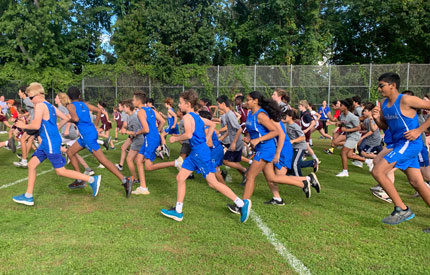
(143, 188)
(308, 178)
(179, 207)
(27, 195)
(277, 199)
(310, 142)
(239, 202)
(91, 180)
(6, 143)
(24, 161)
(345, 171)
(314, 157)
(250, 161)
(100, 142)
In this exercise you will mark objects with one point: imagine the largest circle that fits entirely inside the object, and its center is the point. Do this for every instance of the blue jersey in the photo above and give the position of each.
(398, 123)
(153, 134)
(85, 125)
(199, 136)
(287, 149)
(215, 140)
(171, 120)
(324, 112)
(257, 130)
(51, 139)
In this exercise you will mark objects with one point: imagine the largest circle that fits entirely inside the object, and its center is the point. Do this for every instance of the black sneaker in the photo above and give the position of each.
(315, 165)
(233, 208)
(106, 144)
(307, 188)
(19, 156)
(136, 181)
(314, 182)
(244, 177)
(275, 202)
(77, 185)
(191, 177)
(11, 144)
(223, 174)
(128, 186)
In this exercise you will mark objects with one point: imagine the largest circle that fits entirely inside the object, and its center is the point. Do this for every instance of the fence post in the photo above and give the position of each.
(370, 79)
(407, 77)
(217, 82)
(255, 77)
(150, 88)
(83, 88)
(329, 84)
(291, 79)
(116, 87)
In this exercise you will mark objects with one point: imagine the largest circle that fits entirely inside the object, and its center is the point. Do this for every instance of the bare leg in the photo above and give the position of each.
(180, 179)
(416, 180)
(222, 188)
(151, 166)
(108, 164)
(124, 147)
(72, 154)
(255, 169)
(283, 179)
(379, 172)
(219, 176)
(32, 165)
(130, 162)
(140, 170)
(63, 172)
(235, 165)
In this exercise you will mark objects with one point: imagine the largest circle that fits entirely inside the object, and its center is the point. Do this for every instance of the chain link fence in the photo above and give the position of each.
(313, 83)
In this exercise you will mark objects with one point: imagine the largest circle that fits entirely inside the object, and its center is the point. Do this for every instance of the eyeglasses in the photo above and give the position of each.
(31, 97)
(380, 86)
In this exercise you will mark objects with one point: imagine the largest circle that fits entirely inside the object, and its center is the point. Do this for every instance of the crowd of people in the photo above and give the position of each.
(249, 133)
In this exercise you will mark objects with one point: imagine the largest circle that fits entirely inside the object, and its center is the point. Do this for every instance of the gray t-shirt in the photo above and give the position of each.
(294, 131)
(358, 111)
(182, 130)
(421, 120)
(29, 106)
(232, 127)
(227, 139)
(133, 124)
(124, 116)
(375, 138)
(350, 121)
(73, 134)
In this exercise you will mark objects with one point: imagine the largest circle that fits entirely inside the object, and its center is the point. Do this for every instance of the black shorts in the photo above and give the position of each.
(185, 149)
(233, 156)
(34, 133)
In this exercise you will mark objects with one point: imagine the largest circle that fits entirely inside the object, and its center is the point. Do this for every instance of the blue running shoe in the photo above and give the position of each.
(22, 199)
(399, 216)
(96, 185)
(171, 213)
(245, 211)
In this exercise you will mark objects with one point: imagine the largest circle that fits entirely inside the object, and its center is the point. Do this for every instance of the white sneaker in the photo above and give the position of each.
(376, 188)
(20, 164)
(383, 196)
(369, 163)
(119, 167)
(357, 163)
(100, 166)
(178, 163)
(140, 191)
(343, 174)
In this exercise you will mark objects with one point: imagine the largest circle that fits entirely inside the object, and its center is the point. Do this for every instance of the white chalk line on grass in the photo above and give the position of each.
(295, 263)
(42, 173)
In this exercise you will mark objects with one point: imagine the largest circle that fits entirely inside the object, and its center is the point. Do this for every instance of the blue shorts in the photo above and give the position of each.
(266, 153)
(200, 160)
(284, 161)
(172, 131)
(217, 155)
(405, 155)
(423, 157)
(89, 143)
(149, 147)
(56, 160)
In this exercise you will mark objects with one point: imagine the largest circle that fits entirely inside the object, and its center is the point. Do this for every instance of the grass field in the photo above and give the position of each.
(336, 232)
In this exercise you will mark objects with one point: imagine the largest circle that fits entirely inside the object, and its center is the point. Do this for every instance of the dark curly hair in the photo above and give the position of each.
(269, 105)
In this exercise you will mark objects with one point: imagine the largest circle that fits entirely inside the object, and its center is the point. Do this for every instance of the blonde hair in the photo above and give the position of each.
(34, 89)
(304, 103)
(64, 99)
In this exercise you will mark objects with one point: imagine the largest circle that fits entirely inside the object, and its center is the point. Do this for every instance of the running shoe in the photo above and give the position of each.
(307, 188)
(178, 163)
(140, 191)
(77, 184)
(314, 182)
(165, 150)
(245, 211)
(95, 186)
(22, 199)
(243, 182)
(233, 208)
(119, 167)
(376, 188)
(370, 164)
(128, 186)
(357, 163)
(316, 165)
(20, 164)
(275, 202)
(399, 216)
(171, 213)
(11, 144)
(382, 195)
(106, 143)
(343, 174)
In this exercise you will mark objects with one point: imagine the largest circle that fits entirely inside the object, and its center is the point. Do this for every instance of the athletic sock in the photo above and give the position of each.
(120, 165)
(24, 161)
(91, 180)
(88, 169)
(178, 207)
(345, 171)
(314, 157)
(310, 142)
(277, 199)
(143, 188)
(308, 178)
(239, 202)
(124, 180)
(27, 195)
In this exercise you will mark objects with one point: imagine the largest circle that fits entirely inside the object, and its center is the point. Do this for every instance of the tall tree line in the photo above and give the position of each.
(38, 34)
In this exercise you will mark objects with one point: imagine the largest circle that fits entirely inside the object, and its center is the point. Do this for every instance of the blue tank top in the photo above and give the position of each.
(215, 140)
(199, 136)
(397, 122)
(387, 137)
(288, 147)
(257, 130)
(171, 120)
(85, 125)
(51, 139)
(152, 124)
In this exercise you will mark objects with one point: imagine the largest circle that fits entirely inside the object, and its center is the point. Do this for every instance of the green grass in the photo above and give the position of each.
(336, 232)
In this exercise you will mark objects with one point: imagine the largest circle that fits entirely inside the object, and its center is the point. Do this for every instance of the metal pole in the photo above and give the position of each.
(217, 82)
(407, 77)
(329, 84)
(150, 88)
(255, 77)
(370, 79)
(291, 79)
(116, 87)
(83, 88)
(183, 88)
